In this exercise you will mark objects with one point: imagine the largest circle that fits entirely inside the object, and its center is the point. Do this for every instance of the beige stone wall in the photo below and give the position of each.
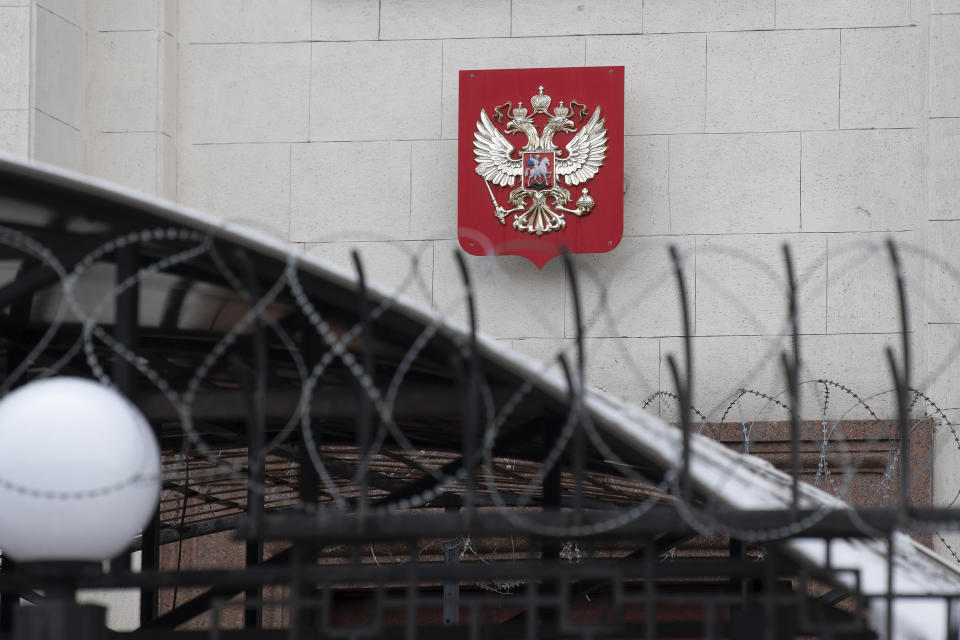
(15, 58)
(943, 213)
(131, 83)
(749, 124)
(91, 85)
(59, 131)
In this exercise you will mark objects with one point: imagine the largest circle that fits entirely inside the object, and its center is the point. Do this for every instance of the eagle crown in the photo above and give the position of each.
(540, 102)
(557, 123)
(522, 123)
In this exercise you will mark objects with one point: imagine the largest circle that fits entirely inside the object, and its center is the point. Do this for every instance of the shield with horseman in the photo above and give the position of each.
(538, 170)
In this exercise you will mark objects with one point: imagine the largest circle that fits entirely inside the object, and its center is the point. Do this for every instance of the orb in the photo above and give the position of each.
(79, 471)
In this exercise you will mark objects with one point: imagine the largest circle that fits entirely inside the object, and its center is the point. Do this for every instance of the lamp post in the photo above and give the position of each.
(79, 477)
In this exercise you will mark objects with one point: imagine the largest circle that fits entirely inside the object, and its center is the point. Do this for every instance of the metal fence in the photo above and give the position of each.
(391, 472)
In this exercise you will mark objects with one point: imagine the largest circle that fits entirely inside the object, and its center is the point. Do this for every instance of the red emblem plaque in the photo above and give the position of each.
(541, 161)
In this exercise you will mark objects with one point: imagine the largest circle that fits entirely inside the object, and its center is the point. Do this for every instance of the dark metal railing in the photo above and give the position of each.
(391, 475)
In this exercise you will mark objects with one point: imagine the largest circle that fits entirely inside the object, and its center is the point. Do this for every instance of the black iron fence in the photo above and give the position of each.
(390, 472)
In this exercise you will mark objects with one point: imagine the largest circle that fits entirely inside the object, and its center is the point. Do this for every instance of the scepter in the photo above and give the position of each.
(498, 211)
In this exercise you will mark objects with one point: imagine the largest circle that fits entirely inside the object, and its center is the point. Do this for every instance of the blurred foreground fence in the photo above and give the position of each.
(389, 471)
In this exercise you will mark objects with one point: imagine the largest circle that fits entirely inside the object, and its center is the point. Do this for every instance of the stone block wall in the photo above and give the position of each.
(59, 83)
(15, 53)
(749, 124)
(131, 90)
(943, 213)
(91, 85)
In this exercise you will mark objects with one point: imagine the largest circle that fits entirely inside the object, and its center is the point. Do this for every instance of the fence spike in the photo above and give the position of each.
(470, 400)
(791, 368)
(683, 383)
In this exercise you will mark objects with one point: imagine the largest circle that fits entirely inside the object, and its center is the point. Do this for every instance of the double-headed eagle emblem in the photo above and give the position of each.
(539, 164)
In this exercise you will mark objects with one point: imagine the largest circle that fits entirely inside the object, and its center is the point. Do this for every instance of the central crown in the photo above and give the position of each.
(540, 102)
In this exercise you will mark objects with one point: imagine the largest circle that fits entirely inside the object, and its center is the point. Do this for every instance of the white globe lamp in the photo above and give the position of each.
(79, 472)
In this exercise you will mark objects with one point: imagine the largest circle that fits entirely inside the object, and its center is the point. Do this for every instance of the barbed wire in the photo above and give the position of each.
(752, 398)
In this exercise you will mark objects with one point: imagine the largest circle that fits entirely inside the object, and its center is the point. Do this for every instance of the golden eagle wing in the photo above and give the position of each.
(493, 151)
(585, 152)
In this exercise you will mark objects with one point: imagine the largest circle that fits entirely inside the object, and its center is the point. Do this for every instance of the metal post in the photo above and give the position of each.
(683, 383)
(890, 587)
(791, 367)
(59, 620)
(736, 553)
(302, 619)
(364, 432)
(58, 616)
(253, 611)
(256, 453)
(901, 377)
(769, 596)
(303, 615)
(9, 600)
(552, 489)
(650, 590)
(126, 318)
(551, 483)
(451, 588)
(576, 386)
(150, 561)
(577, 449)
(126, 331)
(471, 401)
(20, 311)
(412, 593)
